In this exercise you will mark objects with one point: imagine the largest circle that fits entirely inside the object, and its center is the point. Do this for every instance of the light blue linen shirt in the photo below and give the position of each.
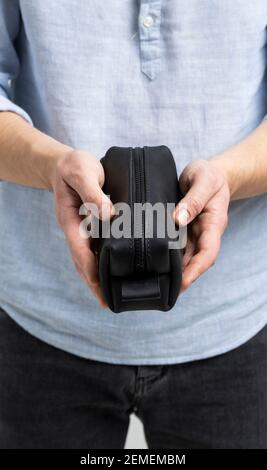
(186, 73)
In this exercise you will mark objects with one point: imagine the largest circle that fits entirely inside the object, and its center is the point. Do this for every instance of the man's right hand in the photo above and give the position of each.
(31, 158)
(78, 179)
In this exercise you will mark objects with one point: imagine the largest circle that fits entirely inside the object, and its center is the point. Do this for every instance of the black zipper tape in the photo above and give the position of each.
(139, 197)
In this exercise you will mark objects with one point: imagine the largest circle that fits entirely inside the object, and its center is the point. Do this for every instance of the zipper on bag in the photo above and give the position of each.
(139, 197)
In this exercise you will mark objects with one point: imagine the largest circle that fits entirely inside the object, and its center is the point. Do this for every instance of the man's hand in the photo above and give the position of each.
(31, 158)
(204, 209)
(78, 179)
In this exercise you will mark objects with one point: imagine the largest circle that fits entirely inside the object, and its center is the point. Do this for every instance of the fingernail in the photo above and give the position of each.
(112, 211)
(182, 217)
(106, 210)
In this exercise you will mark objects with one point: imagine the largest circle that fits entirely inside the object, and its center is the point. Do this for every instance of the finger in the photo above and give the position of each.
(84, 259)
(91, 192)
(87, 267)
(188, 253)
(194, 201)
(94, 287)
(209, 247)
(99, 295)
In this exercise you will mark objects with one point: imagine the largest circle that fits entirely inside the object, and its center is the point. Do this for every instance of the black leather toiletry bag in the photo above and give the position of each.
(138, 270)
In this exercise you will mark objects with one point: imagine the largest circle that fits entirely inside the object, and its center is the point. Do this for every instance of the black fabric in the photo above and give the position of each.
(144, 264)
(50, 399)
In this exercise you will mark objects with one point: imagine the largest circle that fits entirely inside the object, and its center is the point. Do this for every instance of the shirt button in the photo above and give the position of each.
(148, 21)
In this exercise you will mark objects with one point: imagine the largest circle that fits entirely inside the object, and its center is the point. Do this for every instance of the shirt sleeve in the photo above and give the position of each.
(9, 60)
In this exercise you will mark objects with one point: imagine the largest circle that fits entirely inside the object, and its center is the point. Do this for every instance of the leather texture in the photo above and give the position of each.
(140, 271)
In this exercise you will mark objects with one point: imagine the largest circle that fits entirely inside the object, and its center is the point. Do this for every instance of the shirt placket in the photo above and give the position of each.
(149, 34)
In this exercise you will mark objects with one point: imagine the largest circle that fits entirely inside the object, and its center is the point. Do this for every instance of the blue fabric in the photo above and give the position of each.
(93, 74)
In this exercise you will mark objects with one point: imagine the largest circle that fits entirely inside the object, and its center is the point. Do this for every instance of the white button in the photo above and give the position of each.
(148, 21)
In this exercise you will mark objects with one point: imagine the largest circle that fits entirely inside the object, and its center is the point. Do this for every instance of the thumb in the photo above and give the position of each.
(91, 192)
(192, 203)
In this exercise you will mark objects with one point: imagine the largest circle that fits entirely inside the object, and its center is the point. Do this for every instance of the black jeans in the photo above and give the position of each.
(52, 399)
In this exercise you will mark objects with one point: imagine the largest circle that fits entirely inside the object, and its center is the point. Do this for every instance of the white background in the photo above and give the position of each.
(135, 438)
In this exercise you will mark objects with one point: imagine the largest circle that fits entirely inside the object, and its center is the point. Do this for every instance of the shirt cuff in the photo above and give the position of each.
(7, 105)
